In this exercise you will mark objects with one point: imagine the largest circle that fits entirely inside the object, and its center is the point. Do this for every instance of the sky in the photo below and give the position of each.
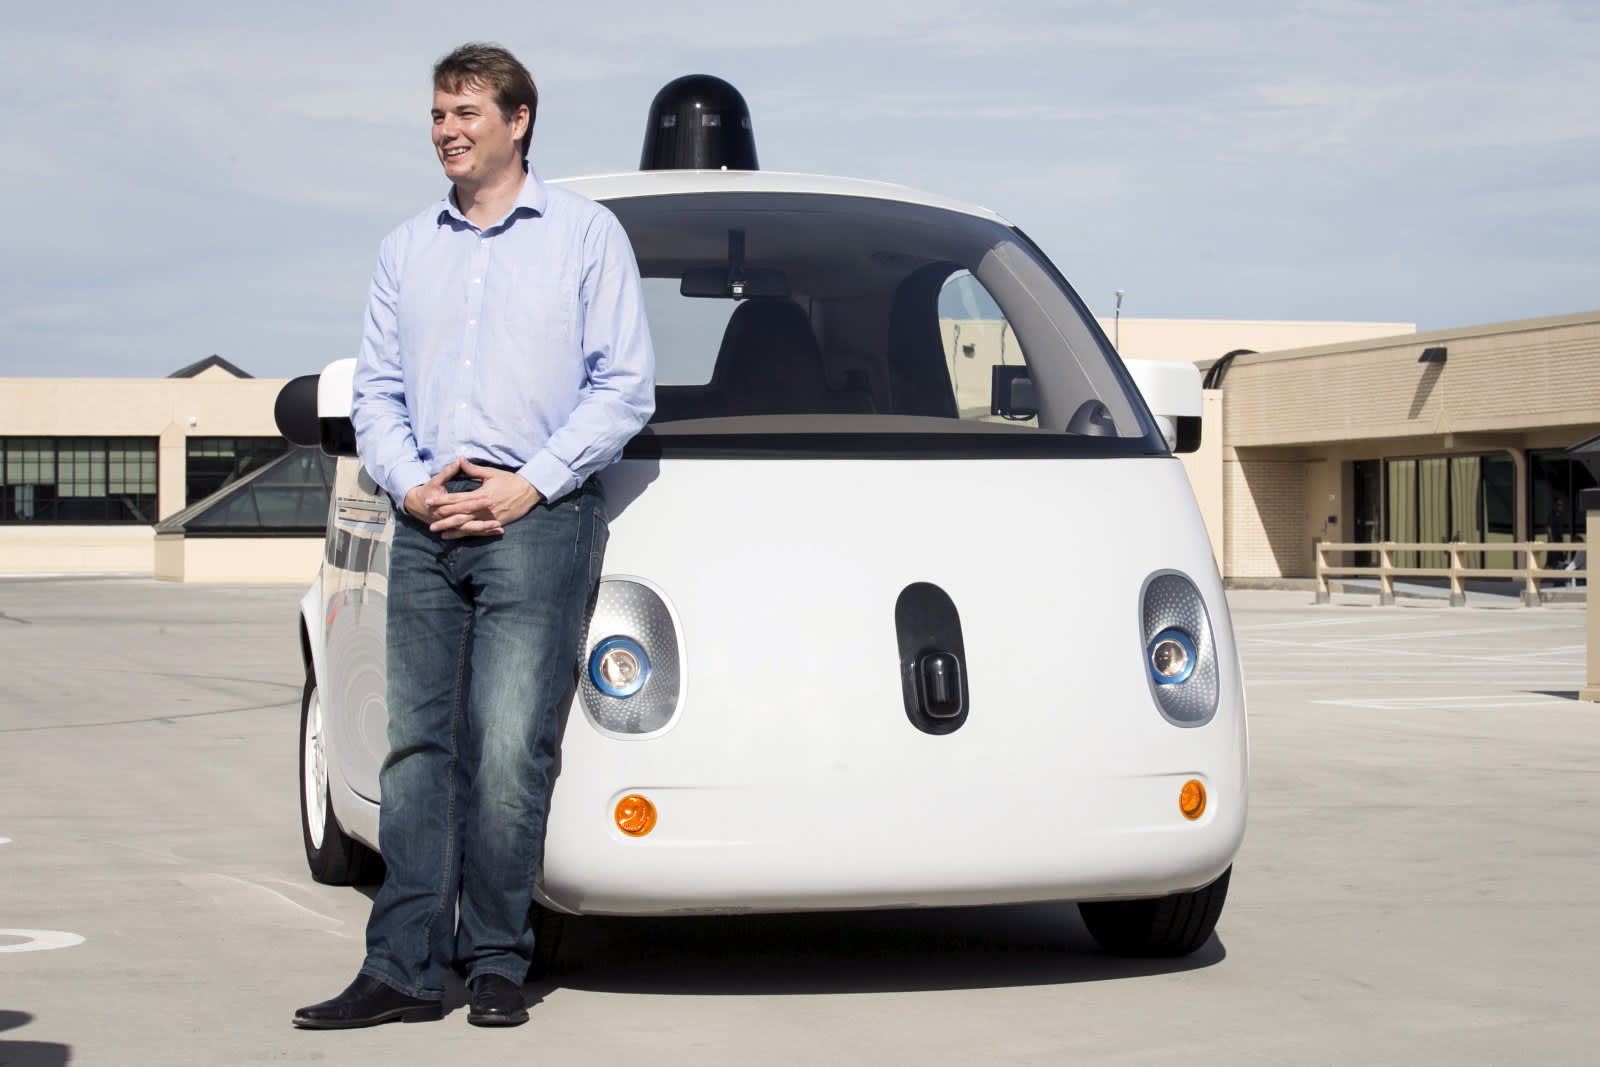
(188, 179)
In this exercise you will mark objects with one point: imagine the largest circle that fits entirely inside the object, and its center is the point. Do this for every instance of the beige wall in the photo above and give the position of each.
(1197, 340)
(1205, 471)
(1294, 421)
(1508, 377)
(1190, 340)
(1591, 691)
(75, 549)
(971, 348)
(1264, 501)
(212, 404)
(237, 559)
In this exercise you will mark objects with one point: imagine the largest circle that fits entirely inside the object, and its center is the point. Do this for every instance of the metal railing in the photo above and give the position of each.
(1533, 571)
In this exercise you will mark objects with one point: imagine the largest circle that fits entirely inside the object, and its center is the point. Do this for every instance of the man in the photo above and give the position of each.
(505, 360)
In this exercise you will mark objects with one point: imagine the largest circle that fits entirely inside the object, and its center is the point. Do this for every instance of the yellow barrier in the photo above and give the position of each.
(1532, 552)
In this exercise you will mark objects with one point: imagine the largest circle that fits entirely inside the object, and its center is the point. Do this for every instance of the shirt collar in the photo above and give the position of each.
(532, 199)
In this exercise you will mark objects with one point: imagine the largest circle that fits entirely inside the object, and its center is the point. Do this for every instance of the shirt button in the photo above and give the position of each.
(472, 322)
(469, 363)
(477, 281)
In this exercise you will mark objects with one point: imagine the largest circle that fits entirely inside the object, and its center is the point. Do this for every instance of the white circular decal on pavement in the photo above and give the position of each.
(37, 940)
(5, 840)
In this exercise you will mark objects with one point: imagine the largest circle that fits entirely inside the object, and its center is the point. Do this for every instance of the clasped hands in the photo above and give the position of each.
(503, 498)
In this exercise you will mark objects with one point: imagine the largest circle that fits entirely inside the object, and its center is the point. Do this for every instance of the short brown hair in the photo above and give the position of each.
(490, 67)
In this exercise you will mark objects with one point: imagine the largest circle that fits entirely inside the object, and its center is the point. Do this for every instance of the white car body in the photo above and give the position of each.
(789, 776)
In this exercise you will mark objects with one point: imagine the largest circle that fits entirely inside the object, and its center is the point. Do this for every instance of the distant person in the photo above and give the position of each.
(1556, 532)
(506, 360)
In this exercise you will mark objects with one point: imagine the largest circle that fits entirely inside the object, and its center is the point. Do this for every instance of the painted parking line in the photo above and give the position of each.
(35, 940)
(1520, 700)
(38, 940)
(1311, 624)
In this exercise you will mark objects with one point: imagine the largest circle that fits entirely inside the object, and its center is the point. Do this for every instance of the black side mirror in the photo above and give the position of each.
(295, 411)
(1012, 393)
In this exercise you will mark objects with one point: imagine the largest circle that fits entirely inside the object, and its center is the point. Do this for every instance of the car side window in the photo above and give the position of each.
(977, 339)
(686, 332)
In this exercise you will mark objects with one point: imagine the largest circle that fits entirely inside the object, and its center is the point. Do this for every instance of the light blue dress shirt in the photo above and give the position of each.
(523, 344)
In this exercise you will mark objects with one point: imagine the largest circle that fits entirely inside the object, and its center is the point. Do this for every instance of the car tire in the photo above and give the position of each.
(335, 858)
(1168, 926)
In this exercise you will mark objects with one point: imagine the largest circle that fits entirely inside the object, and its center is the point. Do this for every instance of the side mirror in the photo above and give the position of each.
(295, 411)
(335, 387)
(1012, 393)
(1173, 392)
(314, 409)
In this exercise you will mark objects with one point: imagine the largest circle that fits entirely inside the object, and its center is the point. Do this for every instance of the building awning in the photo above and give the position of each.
(286, 498)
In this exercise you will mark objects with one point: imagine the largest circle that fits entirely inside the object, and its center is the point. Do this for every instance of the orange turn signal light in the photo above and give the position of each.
(1192, 799)
(635, 815)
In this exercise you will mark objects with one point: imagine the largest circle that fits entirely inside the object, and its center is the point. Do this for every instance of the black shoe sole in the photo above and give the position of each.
(497, 1018)
(426, 1013)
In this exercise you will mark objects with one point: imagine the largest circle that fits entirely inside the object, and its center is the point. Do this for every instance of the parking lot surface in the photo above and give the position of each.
(1417, 884)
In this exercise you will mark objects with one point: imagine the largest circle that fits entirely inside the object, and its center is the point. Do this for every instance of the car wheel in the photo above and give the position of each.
(1159, 926)
(334, 857)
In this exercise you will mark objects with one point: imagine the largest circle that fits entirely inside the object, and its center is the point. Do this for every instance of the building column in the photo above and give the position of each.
(1523, 521)
(172, 470)
(1589, 501)
(1519, 462)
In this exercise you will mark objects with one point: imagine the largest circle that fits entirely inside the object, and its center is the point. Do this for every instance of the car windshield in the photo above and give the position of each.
(805, 320)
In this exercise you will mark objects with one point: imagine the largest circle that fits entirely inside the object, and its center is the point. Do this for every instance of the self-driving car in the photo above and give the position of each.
(907, 602)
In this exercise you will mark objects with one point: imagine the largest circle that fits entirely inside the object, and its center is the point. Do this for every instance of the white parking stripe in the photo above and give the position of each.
(39, 940)
(1276, 626)
(1421, 703)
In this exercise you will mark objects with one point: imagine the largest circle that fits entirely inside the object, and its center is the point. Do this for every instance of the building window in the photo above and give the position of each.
(1552, 476)
(78, 479)
(213, 462)
(1436, 499)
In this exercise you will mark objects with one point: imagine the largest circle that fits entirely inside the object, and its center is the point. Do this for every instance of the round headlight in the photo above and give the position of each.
(618, 667)
(1171, 657)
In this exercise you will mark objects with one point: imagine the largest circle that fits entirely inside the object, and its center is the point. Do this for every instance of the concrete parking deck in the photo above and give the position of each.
(1417, 884)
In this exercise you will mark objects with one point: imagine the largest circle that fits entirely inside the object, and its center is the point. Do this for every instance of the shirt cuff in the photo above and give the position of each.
(404, 478)
(549, 475)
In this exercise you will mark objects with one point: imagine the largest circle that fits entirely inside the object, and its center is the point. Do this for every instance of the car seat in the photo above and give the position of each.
(770, 364)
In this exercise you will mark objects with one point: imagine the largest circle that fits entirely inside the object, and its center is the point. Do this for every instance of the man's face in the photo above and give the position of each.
(475, 144)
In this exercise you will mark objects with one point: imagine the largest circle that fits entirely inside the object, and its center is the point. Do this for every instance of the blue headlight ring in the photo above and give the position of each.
(1179, 637)
(626, 644)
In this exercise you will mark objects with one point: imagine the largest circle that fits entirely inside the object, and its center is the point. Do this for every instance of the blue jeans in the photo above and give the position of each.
(483, 637)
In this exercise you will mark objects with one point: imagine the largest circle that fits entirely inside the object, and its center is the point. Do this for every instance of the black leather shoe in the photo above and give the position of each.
(367, 1002)
(496, 1001)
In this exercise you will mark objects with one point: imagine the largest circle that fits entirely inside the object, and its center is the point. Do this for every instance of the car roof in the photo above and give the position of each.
(604, 187)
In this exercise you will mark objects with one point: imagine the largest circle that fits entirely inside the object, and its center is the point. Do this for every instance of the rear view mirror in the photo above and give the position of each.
(735, 281)
(726, 284)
